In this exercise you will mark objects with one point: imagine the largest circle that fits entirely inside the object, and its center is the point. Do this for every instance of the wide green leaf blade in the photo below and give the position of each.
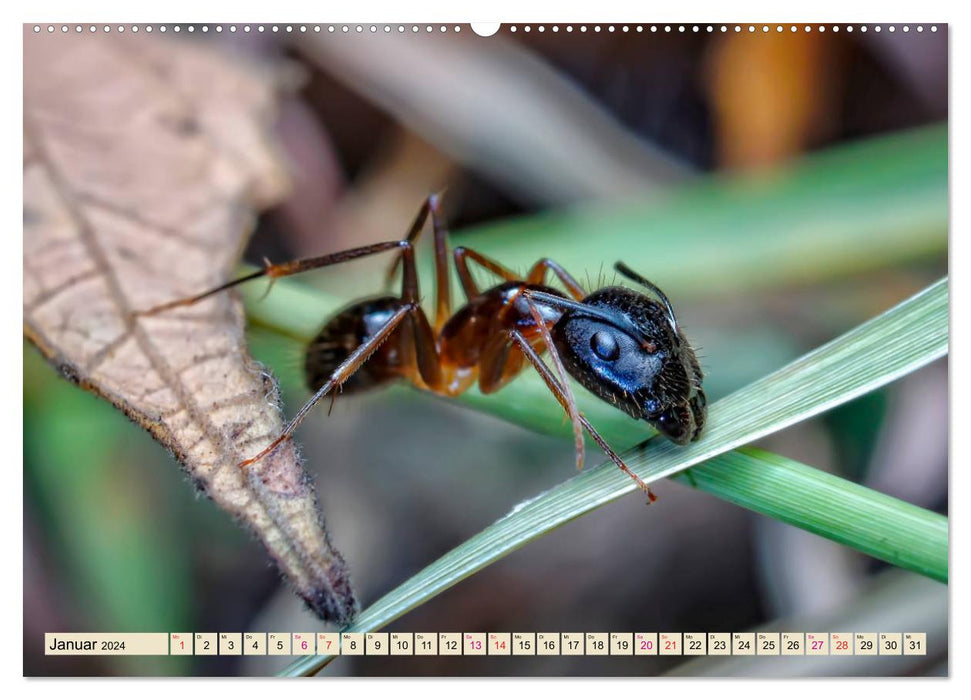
(863, 205)
(866, 205)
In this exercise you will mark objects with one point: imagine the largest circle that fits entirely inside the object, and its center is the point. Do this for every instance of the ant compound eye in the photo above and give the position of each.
(605, 346)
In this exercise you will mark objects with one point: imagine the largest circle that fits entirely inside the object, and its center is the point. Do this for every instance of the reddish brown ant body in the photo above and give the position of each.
(621, 345)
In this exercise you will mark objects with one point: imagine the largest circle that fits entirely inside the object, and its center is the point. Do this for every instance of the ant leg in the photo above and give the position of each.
(443, 291)
(443, 288)
(426, 347)
(409, 312)
(571, 403)
(284, 270)
(465, 276)
(340, 375)
(557, 390)
(537, 275)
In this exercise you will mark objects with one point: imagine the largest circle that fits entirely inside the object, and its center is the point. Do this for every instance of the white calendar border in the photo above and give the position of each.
(450, 11)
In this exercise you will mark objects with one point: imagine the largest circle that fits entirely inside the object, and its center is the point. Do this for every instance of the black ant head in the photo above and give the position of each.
(626, 348)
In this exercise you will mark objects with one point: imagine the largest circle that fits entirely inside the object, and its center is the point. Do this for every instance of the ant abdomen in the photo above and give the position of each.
(345, 333)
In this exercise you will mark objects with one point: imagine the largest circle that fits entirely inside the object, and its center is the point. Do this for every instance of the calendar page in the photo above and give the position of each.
(547, 349)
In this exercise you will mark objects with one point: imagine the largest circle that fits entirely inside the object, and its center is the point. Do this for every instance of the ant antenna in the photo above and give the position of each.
(634, 277)
(610, 317)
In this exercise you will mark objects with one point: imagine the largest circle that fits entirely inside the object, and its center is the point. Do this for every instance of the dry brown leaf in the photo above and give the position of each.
(143, 162)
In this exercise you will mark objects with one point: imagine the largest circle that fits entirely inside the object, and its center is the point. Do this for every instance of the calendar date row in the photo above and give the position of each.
(490, 644)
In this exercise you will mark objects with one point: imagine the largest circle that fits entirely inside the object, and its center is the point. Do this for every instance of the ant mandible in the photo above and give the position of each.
(621, 345)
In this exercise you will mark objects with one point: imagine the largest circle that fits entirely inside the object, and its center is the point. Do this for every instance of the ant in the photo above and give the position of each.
(621, 345)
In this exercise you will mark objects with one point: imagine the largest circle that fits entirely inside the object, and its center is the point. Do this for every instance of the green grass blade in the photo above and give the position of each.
(861, 206)
(884, 527)
(876, 202)
(889, 346)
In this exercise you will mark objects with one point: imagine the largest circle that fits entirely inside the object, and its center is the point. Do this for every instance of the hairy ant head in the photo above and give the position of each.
(626, 348)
